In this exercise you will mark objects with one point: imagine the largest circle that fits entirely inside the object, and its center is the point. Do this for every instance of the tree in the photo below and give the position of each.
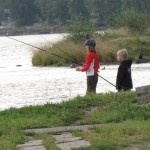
(60, 11)
(45, 8)
(81, 29)
(3, 11)
(22, 11)
(104, 10)
(53, 12)
(78, 8)
(135, 21)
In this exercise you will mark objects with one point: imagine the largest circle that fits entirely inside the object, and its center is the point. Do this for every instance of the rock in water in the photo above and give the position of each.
(18, 65)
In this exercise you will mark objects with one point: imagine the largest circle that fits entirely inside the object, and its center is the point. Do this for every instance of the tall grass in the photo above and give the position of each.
(76, 52)
(107, 47)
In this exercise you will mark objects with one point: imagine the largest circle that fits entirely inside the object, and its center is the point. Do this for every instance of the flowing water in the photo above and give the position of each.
(21, 84)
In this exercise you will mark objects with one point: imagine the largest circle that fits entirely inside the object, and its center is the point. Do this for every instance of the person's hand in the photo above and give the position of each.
(78, 69)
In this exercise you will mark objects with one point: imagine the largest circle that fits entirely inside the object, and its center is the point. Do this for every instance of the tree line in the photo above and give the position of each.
(63, 12)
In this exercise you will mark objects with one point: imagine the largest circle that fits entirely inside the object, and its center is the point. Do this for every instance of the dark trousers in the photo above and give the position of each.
(91, 83)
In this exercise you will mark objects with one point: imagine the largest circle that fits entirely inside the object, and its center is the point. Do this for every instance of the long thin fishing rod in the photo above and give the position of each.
(73, 58)
(54, 55)
(57, 47)
(107, 81)
(42, 50)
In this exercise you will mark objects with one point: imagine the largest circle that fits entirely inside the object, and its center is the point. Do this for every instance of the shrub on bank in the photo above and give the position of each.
(135, 21)
(73, 51)
(107, 47)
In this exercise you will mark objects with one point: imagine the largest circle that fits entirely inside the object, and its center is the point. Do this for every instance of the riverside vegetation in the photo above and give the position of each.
(125, 121)
(108, 44)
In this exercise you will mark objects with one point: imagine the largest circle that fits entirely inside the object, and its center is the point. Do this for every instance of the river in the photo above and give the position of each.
(21, 84)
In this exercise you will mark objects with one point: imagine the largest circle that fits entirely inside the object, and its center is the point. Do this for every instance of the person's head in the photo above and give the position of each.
(122, 54)
(90, 45)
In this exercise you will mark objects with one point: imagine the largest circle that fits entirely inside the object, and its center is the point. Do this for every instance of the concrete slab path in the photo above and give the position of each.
(32, 145)
(137, 146)
(63, 129)
(66, 141)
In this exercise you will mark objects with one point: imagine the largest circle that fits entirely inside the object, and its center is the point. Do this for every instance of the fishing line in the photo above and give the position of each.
(106, 80)
(73, 58)
(52, 44)
(42, 50)
(54, 55)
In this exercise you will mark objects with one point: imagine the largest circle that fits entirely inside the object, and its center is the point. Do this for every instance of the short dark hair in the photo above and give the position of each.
(92, 49)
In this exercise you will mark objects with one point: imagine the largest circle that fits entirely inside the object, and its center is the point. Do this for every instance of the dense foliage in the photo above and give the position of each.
(62, 12)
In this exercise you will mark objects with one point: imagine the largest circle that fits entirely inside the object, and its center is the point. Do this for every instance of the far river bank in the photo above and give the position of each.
(31, 30)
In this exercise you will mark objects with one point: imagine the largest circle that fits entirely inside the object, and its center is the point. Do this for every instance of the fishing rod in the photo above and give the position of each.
(42, 50)
(73, 58)
(54, 55)
(107, 81)
(58, 48)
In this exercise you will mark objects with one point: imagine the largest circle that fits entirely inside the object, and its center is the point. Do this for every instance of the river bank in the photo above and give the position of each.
(124, 121)
(31, 30)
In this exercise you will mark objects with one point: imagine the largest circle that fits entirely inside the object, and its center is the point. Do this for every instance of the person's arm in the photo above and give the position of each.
(87, 65)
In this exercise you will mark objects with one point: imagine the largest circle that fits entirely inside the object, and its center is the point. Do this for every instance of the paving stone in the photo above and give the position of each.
(63, 129)
(137, 146)
(65, 137)
(75, 144)
(32, 145)
(33, 148)
(66, 141)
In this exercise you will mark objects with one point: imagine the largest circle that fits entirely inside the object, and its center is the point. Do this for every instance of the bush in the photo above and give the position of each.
(81, 29)
(135, 21)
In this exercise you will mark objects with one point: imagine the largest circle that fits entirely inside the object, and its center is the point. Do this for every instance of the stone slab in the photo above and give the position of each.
(63, 129)
(137, 146)
(33, 148)
(32, 145)
(75, 144)
(65, 137)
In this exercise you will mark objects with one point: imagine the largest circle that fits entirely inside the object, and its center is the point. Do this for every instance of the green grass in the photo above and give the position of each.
(145, 148)
(49, 141)
(117, 110)
(116, 136)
